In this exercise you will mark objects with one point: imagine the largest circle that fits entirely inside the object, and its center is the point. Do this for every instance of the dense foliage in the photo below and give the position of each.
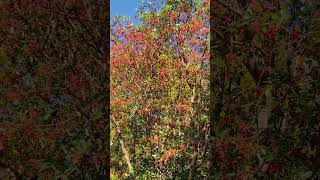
(53, 69)
(263, 121)
(265, 89)
(258, 119)
(159, 95)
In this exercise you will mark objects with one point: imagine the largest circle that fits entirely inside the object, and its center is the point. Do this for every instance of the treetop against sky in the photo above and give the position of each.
(123, 8)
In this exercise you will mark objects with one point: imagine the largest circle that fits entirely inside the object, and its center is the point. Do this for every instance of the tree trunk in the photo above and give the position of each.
(126, 155)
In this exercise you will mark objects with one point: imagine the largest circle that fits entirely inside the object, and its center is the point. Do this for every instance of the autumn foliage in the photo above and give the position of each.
(263, 96)
(158, 88)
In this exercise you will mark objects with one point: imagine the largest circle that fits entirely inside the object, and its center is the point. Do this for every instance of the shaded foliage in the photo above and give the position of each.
(267, 98)
(53, 69)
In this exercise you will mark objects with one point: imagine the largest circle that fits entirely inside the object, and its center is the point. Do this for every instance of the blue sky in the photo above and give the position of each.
(123, 8)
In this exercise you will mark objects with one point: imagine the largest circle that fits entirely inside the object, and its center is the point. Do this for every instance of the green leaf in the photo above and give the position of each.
(167, 7)
(173, 93)
(246, 81)
(113, 177)
(218, 61)
(166, 120)
(306, 175)
(98, 113)
(221, 132)
(231, 174)
(80, 146)
(187, 89)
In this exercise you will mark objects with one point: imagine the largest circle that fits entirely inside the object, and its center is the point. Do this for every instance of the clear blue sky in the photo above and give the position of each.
(123, 8)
